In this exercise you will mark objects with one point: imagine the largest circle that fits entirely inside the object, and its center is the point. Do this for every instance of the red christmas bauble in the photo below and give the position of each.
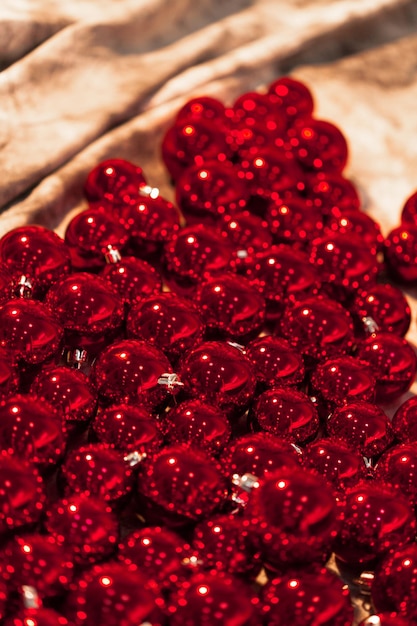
(306, 598)
(129, 428)
(114, 181)
(404, 421)
(287, 413)
(180, 485)
(362, 425)
(331, 193)
(218, 373)
(291, 98)
(246, 136)
(293, 518)
(246, 232)
(385, 619)
(202, 107)
(339, 464)
(22, 495)
(7, 285)
(393, 362)
(130, 371)
(394, 587)
(197, 423)
(401, 252)
(342, 380)
(85, 525)
(375, 519)
(319, 146)
(171, 323)
(259, 107)
(409, 210)
(29, 331)
(275, 362)
(38, 561)
(97, 470)
(381, 307)
(37, 617)
(358, 224)
(133, 279)
(398, 467)
(294, 221)
(9, 374)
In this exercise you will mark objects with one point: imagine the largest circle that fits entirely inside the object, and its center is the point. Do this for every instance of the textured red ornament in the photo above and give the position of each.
(318, 327)
(111, 594)
(386, 619)
(247, 136)
(357, 223)
(38, 561)
(202, 107)
(398, 467)
(291, 98)
(375, 519)
(29, 331)
(362, 425)
(9, 376)
(31, 428)
(381, 307)
(275, 362)
(246, 232)
(67, 389)
(231, 306)
(181, 484)
(409, 210)
(287, 413)
(210, 597)
(223, 543)
(128, 428)
(133, 279)
(92, 234)
(208, 191)
(219, 374)
(21, 493)
(319, 146)
(332, 193)
(36, 253)
(404, 421)
(393, 363)
(335, 461)
(85, 525)
(343, 380)
(197, 423)
(37, 617)
(259, 107)
(97, 470)
(294, 221)
(169, 322)
(129, 371)
(394, 587)
(114, 181)
(293, 518)
(401, 252)
(306, 598)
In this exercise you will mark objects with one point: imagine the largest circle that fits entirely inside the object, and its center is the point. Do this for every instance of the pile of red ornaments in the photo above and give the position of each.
(192, 400)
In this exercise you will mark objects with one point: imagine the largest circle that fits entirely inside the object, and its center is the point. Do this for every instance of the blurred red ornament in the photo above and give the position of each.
(362, 425)
(37, 617)
(85, 525)
(202, 107)
(9, 373)
(29, 331)
(381, 307)
(259, 107)
(401, 252)
(342, 380)
(7, 285)
(218, 373)
(404, 421)
(409, 210)
(246, 232)
(287, 413)
(375, 519)
(294, 221)
(114, 181)
(393, 363)
(275, 362)
(133, 279)
(128, 428)
(339, 464)
(319, 146)
(291, 98)
(394, 587)
(385, 619)
(332, 193)
(248, 135)
(358, 224)
(398, 467)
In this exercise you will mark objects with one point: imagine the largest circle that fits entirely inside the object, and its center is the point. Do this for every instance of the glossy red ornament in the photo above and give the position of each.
(275, 362)
(381, 307)
(320, 328)
(157, 552)
(111, 594)
(128, 428)
(91, 235)
(85, 525)
(259, 107)
(246, 232)
(133, 279)
(401, 252)
(69, 390)
(9, 374)
(97, 470)
(218, 373)
(180, 485)
(89, 309)
(197, 423)
(339, 464)
(230, 306)
(394, 587)
(208, 191)
(306, 598)
(319, 146)
(291, 98)
(190, 142)
(22, 495)
(342, 380)
(38, 561)
(210, 597)
(8, 285)
(37, 254)
(294, 221)
(375, 519)
(404, 421)
(37, 617)
(385, 619)
(363, 426)
(114, 181)
(130, 371)
(287, 413)
(171, 323)
(409, 210)
(358, 224)
(248, 135)
(332, 193)
(393, 362)
(293, 518)
(222, 543)
(29, 331)
(31, 428)
(202, 107)
(398, 467)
